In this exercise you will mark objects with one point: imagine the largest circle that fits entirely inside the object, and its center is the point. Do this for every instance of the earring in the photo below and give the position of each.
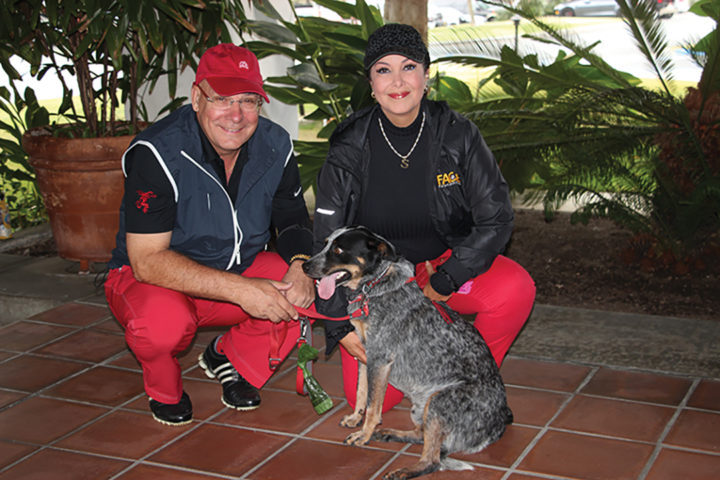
(372, 94)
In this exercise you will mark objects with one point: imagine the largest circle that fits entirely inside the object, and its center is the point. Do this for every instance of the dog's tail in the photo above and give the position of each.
(509, 418)
(447, 463)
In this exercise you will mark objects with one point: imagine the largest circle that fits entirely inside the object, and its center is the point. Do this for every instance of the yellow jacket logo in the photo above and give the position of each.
(449, 179)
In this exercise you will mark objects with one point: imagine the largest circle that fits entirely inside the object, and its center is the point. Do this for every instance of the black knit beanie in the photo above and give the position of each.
(399, 39)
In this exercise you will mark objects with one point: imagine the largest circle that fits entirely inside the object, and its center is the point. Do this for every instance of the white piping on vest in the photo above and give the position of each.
(235, 257)
(160, 161)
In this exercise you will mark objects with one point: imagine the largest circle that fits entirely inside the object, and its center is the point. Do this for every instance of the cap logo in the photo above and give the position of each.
(243, 64)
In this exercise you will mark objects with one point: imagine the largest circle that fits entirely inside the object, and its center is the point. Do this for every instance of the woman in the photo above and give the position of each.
(421, 175)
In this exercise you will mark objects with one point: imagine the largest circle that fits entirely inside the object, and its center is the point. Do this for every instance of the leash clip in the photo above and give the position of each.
(304, 330)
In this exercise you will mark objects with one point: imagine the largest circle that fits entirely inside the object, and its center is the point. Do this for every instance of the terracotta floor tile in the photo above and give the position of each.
(706, 395)
(41, 420)
(107, 386)
(110, 325)
(505, 451)
(586, 457)
(502, 453)
(31, 373)
(700, 430)
(126, 360)
(145, 472)
(477, 473)
(189, 358)
(307, 459)
(205, 397)
(23, 336)
(59, 465)
(533, 407)
(122, 434)
(87, 345)
(279, 411)
(73, 314)
(548, 375)
(675, 464)
(7, 397)
(223, 450)
(616, 418)
(644, 387)
(329, 375)
(206, 335)
(12, 452)
(520, 476)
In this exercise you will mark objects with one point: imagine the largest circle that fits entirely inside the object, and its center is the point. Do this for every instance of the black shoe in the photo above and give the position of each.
(238, 393)
(172, 413)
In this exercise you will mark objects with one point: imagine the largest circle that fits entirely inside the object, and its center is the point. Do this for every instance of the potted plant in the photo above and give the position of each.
(113, 52)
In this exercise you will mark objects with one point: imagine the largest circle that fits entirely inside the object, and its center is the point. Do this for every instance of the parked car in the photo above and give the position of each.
(488, 12)
(605, 8)
(587, 8)
(444, 16)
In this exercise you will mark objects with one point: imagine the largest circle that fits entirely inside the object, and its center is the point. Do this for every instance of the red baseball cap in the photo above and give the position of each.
(230, 70)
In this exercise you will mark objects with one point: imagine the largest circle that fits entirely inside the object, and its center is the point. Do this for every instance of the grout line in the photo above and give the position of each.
(670, 424)
(545, 428)
(296, 437)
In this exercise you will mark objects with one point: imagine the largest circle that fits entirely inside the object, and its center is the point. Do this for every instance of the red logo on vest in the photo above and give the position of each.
(142, 201)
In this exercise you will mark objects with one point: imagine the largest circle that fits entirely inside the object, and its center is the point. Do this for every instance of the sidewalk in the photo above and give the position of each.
(596, 395)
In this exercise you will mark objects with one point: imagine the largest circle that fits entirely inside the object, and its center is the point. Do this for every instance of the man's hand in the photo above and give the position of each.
(262, 298)
(302, 287)
(429, 291)
(351, 342)
(153, 262)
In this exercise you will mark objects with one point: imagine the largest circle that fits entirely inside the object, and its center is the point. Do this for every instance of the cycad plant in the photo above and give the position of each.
(577, 128)
(327, 78)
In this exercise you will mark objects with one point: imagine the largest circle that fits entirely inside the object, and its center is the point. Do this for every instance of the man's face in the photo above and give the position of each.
(227, 127)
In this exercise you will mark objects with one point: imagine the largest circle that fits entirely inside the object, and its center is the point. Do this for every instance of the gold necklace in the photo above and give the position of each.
(404, 163)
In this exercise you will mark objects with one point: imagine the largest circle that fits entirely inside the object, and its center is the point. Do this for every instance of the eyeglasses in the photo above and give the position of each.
(247, 104)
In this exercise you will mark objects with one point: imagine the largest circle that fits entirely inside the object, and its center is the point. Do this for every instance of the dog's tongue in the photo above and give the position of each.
(326, 285)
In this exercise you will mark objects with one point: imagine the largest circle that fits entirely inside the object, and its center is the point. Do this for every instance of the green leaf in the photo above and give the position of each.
(272, 31)
(306, 75)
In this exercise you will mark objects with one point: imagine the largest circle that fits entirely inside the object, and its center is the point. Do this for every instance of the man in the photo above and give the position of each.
(204, 188)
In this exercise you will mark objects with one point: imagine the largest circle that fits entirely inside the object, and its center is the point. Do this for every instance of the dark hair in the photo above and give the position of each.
(398, 39)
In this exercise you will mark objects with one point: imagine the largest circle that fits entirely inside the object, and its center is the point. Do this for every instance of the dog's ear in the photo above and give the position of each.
(387, 251)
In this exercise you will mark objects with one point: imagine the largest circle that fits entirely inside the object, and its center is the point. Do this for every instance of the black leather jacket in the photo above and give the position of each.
(470, 206)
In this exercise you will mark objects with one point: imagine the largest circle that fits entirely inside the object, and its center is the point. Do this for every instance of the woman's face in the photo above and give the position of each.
(399, 86)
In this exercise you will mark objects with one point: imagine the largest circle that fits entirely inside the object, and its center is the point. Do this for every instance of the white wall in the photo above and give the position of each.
(285, 115)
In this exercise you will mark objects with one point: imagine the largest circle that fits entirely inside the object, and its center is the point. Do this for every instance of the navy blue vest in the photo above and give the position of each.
(210, 227)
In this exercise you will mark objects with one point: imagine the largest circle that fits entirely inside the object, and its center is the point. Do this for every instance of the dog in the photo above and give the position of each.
(426, 350)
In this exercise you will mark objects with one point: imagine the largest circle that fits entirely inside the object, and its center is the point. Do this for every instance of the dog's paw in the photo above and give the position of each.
(357, 438)
(400, 474)
(352, 420)
(382, 436)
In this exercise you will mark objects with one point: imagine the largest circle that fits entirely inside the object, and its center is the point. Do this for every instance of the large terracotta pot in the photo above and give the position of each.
(81, 182)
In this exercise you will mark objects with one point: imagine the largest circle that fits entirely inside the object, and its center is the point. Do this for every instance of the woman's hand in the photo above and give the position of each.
(351, 342)
(428, 290)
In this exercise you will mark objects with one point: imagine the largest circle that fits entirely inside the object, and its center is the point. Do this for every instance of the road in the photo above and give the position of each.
(617, 47)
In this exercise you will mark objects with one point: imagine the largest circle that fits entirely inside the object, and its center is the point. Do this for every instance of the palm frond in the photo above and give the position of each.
(646, 27)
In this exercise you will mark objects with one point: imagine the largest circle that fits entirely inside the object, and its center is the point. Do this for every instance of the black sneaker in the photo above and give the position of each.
(172, 413)
(238, 393)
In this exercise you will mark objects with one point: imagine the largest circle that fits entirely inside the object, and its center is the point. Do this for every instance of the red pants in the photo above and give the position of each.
(501, 300)
(160, 323)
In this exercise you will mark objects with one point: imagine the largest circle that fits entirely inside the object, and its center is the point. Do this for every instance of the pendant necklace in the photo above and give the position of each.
(404, 163)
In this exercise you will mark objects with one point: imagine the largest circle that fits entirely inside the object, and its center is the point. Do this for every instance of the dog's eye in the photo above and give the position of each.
(337, 250)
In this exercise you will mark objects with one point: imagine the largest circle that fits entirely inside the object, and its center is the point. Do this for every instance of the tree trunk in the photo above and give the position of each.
(411, 12)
